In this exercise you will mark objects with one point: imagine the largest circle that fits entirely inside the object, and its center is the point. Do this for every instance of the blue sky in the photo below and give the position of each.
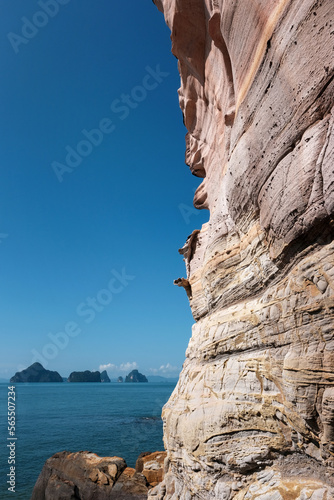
(95, 196)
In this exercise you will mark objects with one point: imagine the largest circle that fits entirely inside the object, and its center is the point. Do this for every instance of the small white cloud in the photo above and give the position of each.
(109, 367)
(123, 367)
(167, 369)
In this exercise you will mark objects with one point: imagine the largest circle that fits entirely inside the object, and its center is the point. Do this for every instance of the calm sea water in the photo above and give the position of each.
(108, 419)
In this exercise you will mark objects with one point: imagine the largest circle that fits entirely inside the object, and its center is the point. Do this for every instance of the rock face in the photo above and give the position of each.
(85, 376)
(120, 380)
(135, 376)
(36, 373)
(105, 376)
(252, 415)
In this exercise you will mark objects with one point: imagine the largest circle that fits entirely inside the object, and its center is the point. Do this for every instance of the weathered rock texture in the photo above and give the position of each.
(86, 476)
(252, 416)
(151, 465)
(131, 485)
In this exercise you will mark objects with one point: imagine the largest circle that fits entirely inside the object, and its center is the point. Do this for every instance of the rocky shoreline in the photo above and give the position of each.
(85, 475)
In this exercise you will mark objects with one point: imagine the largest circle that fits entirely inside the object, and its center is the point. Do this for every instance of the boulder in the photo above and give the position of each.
(86, 476)
(81, 475)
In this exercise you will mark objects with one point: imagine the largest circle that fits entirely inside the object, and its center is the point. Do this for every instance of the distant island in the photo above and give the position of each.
(85, 376)
(36, 373)
(105, 376)
(135, 376)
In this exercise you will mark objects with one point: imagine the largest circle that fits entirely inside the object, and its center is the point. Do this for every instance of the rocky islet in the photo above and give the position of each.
(35, 373)
(135, 377)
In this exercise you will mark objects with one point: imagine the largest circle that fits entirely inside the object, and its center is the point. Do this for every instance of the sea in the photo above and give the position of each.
(110, 419)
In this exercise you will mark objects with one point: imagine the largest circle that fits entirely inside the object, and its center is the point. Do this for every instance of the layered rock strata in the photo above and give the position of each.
(252, 416)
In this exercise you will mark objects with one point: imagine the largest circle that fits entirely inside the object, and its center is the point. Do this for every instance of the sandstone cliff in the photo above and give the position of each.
(252, 415)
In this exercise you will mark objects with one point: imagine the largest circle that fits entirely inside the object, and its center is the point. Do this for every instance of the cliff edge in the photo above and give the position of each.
(252, 416)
